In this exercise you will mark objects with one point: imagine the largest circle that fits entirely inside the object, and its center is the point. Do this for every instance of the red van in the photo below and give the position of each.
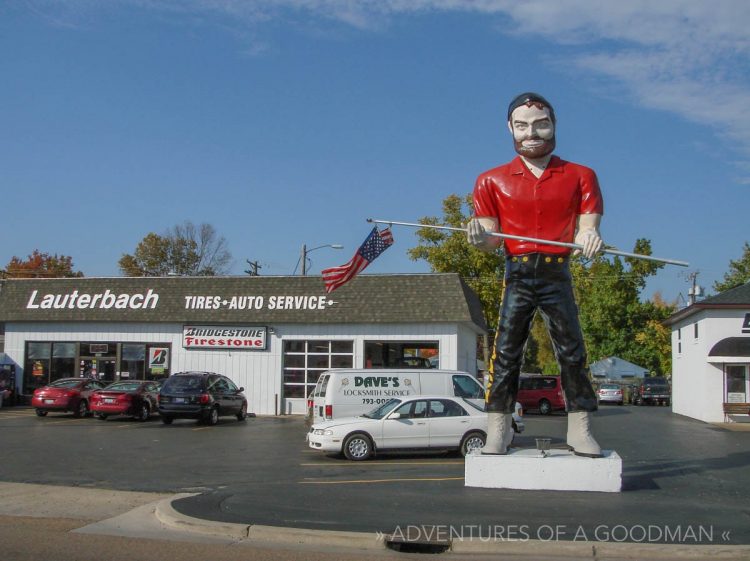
(541, 392)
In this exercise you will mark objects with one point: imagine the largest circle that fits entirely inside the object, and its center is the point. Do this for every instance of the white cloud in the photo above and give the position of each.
(681, 56)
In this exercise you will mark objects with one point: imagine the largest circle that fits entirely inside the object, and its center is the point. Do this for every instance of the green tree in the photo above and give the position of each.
(449, 252)
(184, 249)
(738, 274)
(614, 320)
(41, 265)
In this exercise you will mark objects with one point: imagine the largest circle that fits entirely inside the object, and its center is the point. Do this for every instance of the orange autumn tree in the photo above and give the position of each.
(41, 265)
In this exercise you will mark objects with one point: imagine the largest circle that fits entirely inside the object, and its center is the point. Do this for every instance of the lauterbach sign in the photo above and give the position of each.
(221, 337)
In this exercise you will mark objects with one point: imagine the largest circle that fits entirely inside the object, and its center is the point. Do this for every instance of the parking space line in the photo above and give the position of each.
(16, 415)
(202, 428)
(383, 464)
(396, 480)
(64, 421)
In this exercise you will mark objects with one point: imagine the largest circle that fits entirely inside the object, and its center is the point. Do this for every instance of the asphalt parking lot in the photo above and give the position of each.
(683, 481)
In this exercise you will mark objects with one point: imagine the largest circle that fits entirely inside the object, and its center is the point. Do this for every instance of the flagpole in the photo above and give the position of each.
(611, 251)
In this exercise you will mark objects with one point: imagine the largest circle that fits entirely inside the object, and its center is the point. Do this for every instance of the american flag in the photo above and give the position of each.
(375, 244)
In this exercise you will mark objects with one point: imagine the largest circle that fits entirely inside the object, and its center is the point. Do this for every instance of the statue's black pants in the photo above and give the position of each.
(543, 282)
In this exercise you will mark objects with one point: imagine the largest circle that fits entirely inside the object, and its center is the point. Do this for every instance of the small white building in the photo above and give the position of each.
(614, 368)
(271, 335)
(711, 355)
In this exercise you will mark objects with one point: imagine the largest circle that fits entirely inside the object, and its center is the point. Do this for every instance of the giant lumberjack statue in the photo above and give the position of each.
(541, 196)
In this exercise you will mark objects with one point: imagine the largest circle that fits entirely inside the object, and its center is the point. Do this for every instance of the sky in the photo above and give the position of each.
(290, 122)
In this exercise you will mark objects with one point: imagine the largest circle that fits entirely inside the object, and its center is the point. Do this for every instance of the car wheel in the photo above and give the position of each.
(545, 407)
(620, 403)
(144, 412)
(666, 402)
(82, 410)
(41, 413)
(242, 415)
(166, 420)
(102, 416)
(472, 441)
(213, 416)
(357, 447)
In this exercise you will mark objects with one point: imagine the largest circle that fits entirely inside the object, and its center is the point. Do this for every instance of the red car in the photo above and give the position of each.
(541, 392)
(135, 398)
(65, 394)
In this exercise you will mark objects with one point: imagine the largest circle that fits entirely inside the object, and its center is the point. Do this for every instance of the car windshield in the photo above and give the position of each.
(186, 384)
(123, 386)
(610, 387)
(383, 410)
(474, 405)
(65, 383)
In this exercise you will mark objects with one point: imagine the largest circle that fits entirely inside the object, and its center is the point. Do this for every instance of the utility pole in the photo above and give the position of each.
(695, 290)
(254, 267)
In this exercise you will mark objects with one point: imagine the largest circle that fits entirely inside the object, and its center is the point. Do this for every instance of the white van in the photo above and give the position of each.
(352, 392)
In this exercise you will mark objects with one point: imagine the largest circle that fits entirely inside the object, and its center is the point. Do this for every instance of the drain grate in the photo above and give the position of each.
(418, 539)
(418, 547)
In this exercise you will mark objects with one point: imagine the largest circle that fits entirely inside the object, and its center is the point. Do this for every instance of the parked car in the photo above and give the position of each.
(353, 391)
(652, 391)
(413, 423)
(134, 398)
(610, 393)
(65, 394)
(541, 392)
(204, 396)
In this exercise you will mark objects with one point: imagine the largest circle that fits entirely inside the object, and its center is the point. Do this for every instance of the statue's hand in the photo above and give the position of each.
(476, 235)
(591, 242)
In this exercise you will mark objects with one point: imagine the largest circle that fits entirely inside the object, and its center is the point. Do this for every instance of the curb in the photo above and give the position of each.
(375, 541)
(603, 550)
(167, 515)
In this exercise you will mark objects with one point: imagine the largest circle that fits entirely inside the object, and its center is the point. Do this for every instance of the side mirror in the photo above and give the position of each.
(395, 416)
(241, 390)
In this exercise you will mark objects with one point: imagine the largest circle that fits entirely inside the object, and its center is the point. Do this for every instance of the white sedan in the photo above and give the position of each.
(417, 422)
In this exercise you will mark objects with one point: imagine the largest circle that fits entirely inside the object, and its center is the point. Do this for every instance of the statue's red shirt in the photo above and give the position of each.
(545, 208)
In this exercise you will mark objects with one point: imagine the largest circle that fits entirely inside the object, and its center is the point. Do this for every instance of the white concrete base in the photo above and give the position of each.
(560, 471)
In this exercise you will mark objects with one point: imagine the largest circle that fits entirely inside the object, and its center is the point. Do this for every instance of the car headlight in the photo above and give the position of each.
(323, 432)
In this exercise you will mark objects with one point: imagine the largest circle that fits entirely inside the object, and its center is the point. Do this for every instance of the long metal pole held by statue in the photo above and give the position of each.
(534, 240)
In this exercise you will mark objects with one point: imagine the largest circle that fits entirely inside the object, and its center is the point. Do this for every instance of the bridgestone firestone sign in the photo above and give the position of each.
(227, 338)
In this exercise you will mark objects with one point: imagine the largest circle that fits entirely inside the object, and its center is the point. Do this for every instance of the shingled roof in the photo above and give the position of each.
(734, 298)
(408, 298)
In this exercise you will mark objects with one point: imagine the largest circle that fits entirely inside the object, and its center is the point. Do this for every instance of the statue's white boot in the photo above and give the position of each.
(499, 433)
(580, 440)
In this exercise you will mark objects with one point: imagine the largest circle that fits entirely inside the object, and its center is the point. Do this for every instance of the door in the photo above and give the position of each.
(448, 422)
(410, 430)
(234, 398)
(102, 369)
(219, 390)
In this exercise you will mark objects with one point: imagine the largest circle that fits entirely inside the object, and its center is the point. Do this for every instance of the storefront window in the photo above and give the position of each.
(132, 361)
(737, 383)
(158, 361)
(37, 366)
(46, 361)
(63, 360)
(398, 354)
(304, 361)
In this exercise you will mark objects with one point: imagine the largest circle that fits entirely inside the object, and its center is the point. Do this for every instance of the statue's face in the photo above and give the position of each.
(533, 131)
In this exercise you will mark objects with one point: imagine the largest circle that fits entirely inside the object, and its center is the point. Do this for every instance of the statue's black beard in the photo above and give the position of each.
(537, 151)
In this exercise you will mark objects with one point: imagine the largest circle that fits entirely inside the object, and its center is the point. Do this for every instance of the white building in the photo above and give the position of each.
(617, 369)
(271, 335)
(711, 355)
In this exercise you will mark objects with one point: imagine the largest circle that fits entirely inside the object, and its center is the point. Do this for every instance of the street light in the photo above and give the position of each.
(305, 251)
